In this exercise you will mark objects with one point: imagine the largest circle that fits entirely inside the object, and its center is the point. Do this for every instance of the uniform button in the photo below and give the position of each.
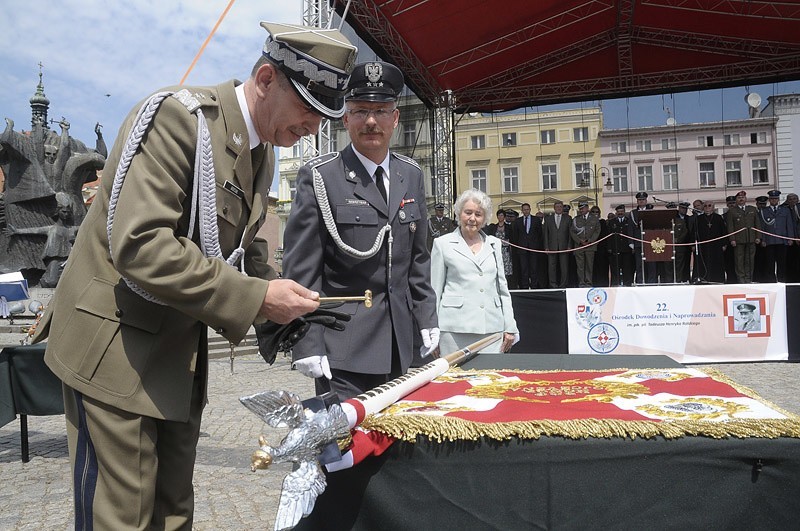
(358, 218)
(481, 305)
(118, 313)
(481, 290)
(225, 210)
(213, 98)
(220, 330)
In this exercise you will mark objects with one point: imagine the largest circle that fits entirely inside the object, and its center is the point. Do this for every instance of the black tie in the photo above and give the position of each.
(379, 183)
(256, 157)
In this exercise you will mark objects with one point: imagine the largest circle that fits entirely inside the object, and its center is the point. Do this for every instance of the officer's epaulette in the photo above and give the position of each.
(322, 159)
(406, 159)
(198, 97)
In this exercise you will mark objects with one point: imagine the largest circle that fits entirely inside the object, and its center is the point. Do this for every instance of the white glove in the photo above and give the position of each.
(314, 367)
(430, 340)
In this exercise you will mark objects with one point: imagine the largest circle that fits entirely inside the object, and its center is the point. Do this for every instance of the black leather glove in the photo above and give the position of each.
(273, 337)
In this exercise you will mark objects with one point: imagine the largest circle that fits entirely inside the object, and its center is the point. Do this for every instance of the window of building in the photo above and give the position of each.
(511, 179)
(670, 173)
(758, 138)
(292, 188)
(334, 142)
(549, 177)
(479, 179)
(582, 174)
(409, 133)
(731, 139)
(509, 139)
(733, 173)
(645, 177)
(644, 145)
(549, 136)
(707, 177)
(619, 176)
(297, 149)
(760, 173)
(619, 147)
(478, 141)
(667, 143)
(705, 141)
(580, 134)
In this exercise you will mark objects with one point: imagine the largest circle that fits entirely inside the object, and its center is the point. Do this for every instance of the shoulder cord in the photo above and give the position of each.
(327, 218)
(203, 186)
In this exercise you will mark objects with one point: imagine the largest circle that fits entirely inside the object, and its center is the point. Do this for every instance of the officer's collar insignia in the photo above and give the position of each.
(237, 139)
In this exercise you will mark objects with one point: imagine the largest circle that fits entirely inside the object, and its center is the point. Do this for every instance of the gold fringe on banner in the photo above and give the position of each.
(408, 427)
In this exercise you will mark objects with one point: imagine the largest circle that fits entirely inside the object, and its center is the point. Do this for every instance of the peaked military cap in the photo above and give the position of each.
(774, 193)
(619, 207)
(317, 61)
(641, 195)
(746, 306)
(742, 193)
(684, 204)
(439, 206)
(762, 199)
(583, 204)
(730, 198)
(375, 81)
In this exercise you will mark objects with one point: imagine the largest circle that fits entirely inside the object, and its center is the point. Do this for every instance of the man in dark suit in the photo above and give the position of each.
(793, 252)
(556, 238)
(370, 234)
(527, 234)
(621, 259)
(128, 322)
(645, 272)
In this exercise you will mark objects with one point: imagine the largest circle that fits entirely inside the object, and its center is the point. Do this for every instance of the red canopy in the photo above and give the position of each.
(500, 55)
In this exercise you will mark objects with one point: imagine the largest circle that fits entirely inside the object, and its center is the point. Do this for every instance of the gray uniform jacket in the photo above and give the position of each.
(313, 259)
(113, 345)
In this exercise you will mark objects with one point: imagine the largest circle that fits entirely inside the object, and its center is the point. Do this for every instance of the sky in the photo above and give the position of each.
(101, 57)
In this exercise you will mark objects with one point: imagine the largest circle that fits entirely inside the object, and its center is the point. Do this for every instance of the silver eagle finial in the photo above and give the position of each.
(309, 433)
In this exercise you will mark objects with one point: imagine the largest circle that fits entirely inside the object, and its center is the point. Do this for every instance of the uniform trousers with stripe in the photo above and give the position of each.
(131, 471)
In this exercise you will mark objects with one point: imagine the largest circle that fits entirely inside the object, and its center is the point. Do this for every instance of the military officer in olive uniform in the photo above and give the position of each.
(439, 224)
(584, 231)
(375, 201)
(156, 263)
(741, 216)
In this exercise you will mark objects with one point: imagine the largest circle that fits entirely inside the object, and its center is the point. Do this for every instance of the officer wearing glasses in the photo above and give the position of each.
(370, 234)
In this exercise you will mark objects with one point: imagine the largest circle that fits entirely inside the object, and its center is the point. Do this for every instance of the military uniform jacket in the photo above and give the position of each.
(113, 345)
(747, 218)
(585, 229)
(438, 228)
(471, 289)
(682, 226)
(620, 244)
(776, 222)
(312, 258)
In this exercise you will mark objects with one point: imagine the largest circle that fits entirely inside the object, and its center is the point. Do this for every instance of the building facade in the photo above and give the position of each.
(685, 162)
(533, 158)
(786, 109)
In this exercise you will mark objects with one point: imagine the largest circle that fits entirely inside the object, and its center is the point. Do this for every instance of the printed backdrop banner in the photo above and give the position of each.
(690, 324)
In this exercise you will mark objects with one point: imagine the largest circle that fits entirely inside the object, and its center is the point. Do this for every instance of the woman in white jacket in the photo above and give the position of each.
(472, 298)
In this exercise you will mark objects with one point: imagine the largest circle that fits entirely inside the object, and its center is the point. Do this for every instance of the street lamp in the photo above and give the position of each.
(591, 175)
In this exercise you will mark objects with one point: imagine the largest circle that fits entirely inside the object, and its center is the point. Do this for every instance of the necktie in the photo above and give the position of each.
(380, 184)
(256, 157)
(774, 210)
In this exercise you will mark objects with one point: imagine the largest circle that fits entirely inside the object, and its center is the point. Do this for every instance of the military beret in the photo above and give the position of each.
(375, 81)
(641, 195)
(746, 305)
(583, 204)
(439, 206)
(317, 61)
(742, 193)
(730, 198)
(774, 193)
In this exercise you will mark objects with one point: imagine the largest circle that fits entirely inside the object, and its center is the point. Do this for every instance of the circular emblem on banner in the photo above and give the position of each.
(603, 338)
(597, 296)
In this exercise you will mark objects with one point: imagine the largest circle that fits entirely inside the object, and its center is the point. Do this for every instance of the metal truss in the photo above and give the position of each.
(443, 135)
(317, 14)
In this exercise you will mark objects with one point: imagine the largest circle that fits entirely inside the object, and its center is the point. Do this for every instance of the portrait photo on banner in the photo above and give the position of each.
(747, 315)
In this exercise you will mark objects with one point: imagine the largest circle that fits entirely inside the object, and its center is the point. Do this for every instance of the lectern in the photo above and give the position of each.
(657, 227)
